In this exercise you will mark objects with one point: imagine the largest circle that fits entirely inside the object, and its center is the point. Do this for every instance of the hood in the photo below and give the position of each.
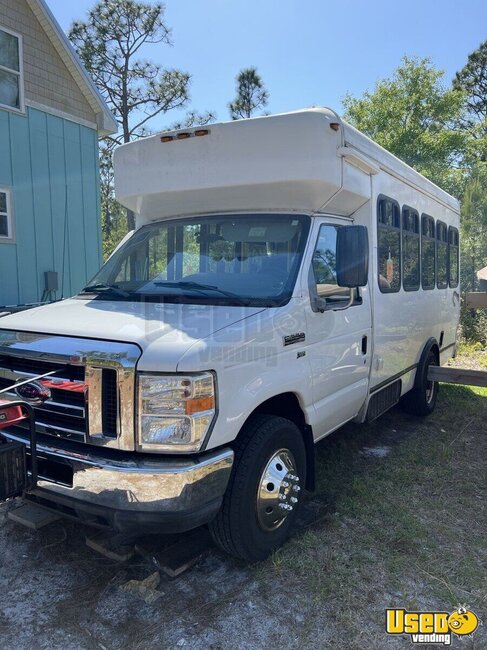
(164, 332)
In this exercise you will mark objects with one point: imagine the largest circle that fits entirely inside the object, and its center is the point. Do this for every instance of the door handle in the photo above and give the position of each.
(364, 344)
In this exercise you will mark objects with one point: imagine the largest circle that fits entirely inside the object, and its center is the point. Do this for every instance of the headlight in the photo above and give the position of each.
(175, 411)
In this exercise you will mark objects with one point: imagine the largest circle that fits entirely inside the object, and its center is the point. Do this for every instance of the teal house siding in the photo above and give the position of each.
(50, 166)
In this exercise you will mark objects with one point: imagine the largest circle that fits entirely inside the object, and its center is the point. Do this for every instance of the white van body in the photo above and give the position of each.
(328, 363)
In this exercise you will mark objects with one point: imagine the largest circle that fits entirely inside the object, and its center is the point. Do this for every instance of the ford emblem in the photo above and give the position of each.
(33, 392)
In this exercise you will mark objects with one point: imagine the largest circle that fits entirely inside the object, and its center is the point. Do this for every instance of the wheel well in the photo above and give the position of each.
(431, 345)
(286, 405)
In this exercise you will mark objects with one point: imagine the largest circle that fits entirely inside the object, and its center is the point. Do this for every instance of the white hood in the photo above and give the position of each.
(164, 332)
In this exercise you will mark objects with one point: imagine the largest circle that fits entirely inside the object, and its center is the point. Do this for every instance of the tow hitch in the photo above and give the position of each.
(15, 478)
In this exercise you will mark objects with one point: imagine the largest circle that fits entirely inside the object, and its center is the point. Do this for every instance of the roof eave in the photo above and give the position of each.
(106, 122)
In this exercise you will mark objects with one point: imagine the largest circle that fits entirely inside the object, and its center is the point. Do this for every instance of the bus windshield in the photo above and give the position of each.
(231, 259)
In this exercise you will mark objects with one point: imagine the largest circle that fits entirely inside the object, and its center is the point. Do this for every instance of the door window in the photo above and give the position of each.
(324, 268)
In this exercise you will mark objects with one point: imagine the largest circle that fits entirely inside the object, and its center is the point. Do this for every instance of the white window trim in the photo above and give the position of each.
(20, 72)
(10, 238)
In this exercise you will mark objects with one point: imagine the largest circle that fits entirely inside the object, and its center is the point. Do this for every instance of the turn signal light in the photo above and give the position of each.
(199, 404)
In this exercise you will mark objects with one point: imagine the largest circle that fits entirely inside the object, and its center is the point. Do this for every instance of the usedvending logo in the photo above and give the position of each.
(432, 627)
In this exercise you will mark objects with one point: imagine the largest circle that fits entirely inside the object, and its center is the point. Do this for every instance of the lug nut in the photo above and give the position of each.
(296, 488)
(293, 500)
(285, 484)
(282, 497)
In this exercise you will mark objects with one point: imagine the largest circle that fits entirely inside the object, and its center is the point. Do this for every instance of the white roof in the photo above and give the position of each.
(105, 120)
(307, 161)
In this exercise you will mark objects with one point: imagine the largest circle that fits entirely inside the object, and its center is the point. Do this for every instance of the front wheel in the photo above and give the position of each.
(265, 491)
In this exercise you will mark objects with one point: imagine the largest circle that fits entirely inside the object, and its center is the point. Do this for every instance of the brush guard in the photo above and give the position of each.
(14, 476)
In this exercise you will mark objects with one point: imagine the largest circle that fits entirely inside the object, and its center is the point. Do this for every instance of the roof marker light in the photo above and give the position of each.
(183, 136)
(334, 125)
(201, 132)
(167, 138)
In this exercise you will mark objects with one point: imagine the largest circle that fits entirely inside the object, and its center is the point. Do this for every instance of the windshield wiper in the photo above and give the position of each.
(99, 287)
(203, 288)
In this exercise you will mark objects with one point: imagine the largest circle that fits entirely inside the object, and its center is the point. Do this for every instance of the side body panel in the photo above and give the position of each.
(403, 321)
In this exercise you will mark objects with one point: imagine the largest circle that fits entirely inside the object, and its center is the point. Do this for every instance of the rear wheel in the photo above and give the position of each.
(421, 400)
(265, 490)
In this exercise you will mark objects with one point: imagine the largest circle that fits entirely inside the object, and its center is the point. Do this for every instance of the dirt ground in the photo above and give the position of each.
(398, 519)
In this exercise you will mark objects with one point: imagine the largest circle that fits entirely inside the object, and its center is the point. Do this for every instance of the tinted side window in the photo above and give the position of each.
(389, 244)
(453, 255)
(324, 267)
(428, 257)
(441, 255)
(410, 249)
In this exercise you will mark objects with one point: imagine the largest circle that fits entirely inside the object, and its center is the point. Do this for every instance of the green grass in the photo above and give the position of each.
(405, 530)
(473, 351)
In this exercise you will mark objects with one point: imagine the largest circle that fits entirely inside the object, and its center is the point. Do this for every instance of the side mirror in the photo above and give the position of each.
(352, 256)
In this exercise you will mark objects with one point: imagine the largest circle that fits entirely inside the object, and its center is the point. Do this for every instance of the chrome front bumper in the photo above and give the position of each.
(171, 494)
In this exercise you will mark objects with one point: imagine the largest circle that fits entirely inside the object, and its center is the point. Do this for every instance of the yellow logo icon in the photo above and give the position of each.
(462, 621)
(431, 627)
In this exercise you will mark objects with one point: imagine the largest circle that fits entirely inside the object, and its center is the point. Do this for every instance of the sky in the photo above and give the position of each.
(308, 52)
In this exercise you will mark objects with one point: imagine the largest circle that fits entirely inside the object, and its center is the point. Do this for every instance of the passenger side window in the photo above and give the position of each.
(324, 268)
(428, 258)
(389, 245)
(441, 255)
(410, 249)
(453, 252)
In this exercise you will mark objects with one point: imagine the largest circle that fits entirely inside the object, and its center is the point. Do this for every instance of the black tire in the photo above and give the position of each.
(237, 528)
(421, 400)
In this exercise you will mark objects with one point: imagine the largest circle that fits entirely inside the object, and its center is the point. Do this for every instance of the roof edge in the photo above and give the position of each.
(106, 121)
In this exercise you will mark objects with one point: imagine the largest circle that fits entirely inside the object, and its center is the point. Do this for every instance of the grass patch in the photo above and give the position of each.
(407, 529)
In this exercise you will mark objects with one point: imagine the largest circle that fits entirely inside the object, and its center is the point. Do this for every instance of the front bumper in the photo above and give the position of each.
(135, 492)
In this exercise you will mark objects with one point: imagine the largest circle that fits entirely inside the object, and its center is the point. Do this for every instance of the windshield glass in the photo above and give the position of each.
(238, 260)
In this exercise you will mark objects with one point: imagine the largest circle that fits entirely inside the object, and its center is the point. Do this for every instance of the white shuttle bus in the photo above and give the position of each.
(287, 275)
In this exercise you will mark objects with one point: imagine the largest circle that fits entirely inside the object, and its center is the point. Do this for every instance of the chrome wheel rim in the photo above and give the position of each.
(278, 490)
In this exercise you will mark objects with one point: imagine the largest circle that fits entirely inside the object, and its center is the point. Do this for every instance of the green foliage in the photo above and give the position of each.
(474, 226)
(414, 116)
(473, 326)
(472, 80)
(192, 119)
(251, 95)
(109, 44)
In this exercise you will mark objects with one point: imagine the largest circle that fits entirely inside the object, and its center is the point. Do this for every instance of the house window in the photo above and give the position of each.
(11, 81)
(5, 216)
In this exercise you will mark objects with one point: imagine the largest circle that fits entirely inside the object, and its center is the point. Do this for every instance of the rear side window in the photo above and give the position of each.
(441, 255)
(428, 257)
(389, 244)
(453, 255)
(410, 249)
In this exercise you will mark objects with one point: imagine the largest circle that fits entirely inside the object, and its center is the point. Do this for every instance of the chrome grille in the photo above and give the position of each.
(92, 390)
(64, 414)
